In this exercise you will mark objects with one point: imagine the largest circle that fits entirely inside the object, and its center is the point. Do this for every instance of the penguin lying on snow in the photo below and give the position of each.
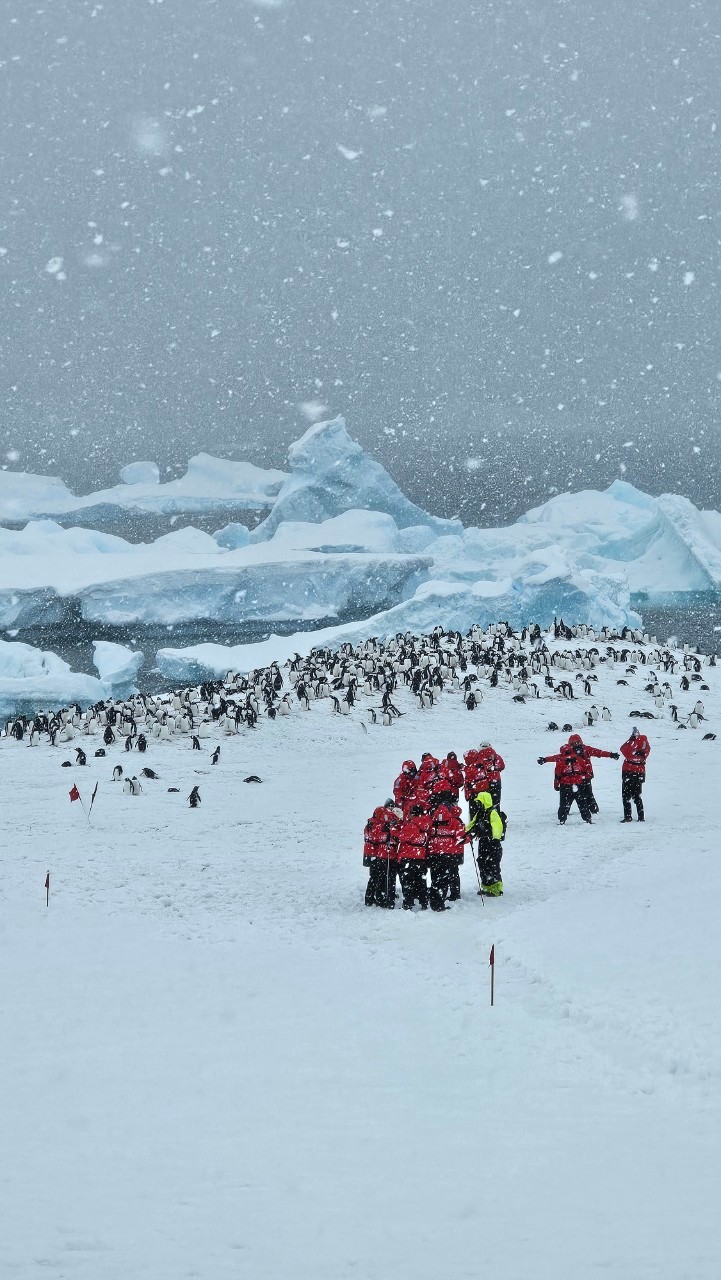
(252, 777)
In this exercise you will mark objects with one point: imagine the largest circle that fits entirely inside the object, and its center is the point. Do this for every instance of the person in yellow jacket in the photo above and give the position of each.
(488, 826)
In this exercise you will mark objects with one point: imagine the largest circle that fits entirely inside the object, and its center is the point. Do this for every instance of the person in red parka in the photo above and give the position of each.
(380, 855)
(635, 753)
(589, 754)
(404, 787)
(572, 770)
(445, 854)
(475, 780)
(493, 766)
(450, 780)
(413, 839)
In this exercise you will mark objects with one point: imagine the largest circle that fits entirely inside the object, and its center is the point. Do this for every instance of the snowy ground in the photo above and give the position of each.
(217, 1063)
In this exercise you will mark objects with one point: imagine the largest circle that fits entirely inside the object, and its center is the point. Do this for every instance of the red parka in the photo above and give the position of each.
(405, 785)
(413, 837)
(635, 753)
(572, 768)
(475, 775)
(492, 763)
(380, 837)
(448, 835)
(589, 752)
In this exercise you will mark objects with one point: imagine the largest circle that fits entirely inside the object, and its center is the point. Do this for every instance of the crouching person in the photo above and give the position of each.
(489, 828)
(445, 855)
(380, 855)
(413, 839)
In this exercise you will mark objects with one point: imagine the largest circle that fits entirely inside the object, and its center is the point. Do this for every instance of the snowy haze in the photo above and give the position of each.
(487, 231)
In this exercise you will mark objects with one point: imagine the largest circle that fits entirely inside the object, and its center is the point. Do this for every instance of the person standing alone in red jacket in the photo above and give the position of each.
(571, 777)
(589, 754)
(635, 753)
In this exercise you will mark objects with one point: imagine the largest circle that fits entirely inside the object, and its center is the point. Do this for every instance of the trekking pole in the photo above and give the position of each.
(478, 874)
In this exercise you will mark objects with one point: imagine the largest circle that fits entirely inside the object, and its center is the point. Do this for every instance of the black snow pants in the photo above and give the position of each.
(413, 882)
(631, 787)
(566, 797)
(591, 801)
(441, 869)
(381, 887)
(489, 856)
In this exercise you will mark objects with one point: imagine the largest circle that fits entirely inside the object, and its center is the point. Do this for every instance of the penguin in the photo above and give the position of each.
(552, 726)
(194, 798)
(148, 773)
(252, 777)
(127, 787)
(141, 743)
(173, 790)
(80, 757)
(117, 773)
(135, 787)
(709, 737)
(100, 751)
(196, 743)
(215, 756)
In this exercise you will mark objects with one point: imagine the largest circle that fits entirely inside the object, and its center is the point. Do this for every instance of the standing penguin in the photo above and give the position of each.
(215, 756)
(194, 798)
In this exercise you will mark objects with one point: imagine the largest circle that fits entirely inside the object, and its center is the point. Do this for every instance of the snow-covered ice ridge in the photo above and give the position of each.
(341, 542)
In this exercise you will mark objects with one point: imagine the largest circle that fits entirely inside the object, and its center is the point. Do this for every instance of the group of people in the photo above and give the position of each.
(573, 777)
(418, 836)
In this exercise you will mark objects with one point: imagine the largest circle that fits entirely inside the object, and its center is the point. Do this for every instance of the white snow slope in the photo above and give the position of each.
(217, 1063)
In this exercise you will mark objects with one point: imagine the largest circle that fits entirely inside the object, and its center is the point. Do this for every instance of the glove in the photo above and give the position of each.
(541, 759)
(615, 755)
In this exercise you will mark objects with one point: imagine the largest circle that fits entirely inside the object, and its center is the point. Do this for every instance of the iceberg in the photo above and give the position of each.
(330, 475)
(32, 680)
(210, 487)
(664, 546)
(117, 666)
(452, 605)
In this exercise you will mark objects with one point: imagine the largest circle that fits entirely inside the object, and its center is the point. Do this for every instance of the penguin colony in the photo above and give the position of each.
(365, 679)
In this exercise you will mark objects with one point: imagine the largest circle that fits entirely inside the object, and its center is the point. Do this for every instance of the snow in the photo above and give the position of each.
(217, 1062)
(330, 474)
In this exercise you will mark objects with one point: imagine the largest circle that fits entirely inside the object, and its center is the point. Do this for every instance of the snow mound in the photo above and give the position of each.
(331, 475)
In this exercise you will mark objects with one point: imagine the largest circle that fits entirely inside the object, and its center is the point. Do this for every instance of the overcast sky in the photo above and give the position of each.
(489, 234)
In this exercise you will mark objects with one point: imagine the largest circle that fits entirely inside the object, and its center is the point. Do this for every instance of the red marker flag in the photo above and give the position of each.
(74, 793)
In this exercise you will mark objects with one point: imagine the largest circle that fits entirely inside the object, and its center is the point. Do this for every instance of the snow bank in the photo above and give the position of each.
(330, 475)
